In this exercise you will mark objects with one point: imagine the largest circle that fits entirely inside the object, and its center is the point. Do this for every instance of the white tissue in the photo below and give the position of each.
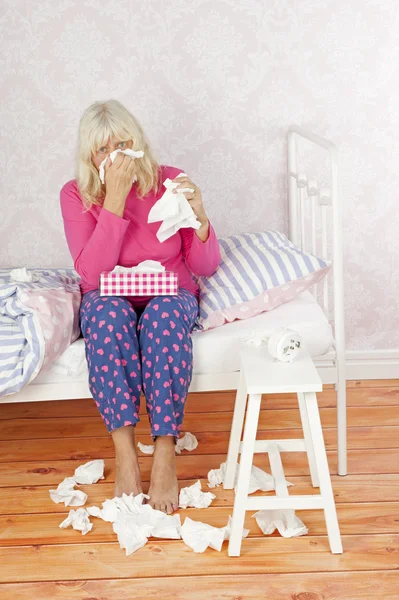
(146, 449)
(90, 472)
(128, 152)
(173, 210)
(130, 536)
(131, 504)
(227, 529)
(134, 522)
(167, 526)
(23, 275)
(79, 519)
(199, 536)
(112, 508)
(147, 266)
(158, 524)
(155, 523)
(216, 476)
(66, 493)
(195, 497)
(109, 511)
(259, 480)
(285, 521)
(187, 442)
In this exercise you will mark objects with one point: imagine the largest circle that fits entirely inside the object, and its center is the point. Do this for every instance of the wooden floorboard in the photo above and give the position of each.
(172, 557)
(203, 403)
(361, 519)
(43, 442)
(209, 443)
(361, 488)
(352, 585)
(196, 466)
(45, 428)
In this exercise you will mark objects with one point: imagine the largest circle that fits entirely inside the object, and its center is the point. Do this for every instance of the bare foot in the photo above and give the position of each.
(128, 476)
(164, 488)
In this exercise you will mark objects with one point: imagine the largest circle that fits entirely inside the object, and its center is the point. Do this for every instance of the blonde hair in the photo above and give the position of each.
(99, 122)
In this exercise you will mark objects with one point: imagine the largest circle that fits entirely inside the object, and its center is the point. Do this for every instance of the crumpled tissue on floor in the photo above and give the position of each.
(146, 448)
(193, 496)
(134, 522)
(285, 521)
(259, 480)
(79, 519)
(90, 472)
(67, 494)
(199, 536)
(187, 442)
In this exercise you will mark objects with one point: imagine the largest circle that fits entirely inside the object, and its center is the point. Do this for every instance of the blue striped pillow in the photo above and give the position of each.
(257, 272)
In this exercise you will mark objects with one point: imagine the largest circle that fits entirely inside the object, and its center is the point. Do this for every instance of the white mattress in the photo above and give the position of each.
(216, 350)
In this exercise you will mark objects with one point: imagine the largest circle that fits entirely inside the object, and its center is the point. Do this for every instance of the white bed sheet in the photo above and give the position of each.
(217, 350)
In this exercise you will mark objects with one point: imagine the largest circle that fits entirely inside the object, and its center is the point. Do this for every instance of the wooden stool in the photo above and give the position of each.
(261, 375)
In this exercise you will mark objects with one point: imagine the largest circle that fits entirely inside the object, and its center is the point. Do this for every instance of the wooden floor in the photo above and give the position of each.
(41, 443)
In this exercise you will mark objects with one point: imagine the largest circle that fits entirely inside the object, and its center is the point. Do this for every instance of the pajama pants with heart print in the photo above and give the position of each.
(147, 350)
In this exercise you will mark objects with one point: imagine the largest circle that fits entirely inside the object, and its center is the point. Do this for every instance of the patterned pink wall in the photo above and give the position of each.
(215, 85)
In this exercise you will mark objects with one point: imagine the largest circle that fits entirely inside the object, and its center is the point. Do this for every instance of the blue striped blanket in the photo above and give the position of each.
(25, 347)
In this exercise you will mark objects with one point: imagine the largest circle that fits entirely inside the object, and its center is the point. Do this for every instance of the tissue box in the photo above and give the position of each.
(139, 284)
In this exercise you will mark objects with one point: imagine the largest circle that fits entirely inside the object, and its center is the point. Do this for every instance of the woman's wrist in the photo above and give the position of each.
(203, 231)
(114, 205)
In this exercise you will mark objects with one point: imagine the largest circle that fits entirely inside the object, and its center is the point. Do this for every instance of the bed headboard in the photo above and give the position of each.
(315, 224)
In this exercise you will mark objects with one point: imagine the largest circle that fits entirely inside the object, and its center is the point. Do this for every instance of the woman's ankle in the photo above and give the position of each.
(124, 443)
(165, 443)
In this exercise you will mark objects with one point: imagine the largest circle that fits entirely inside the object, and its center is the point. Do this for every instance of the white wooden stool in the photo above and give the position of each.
(261, 375)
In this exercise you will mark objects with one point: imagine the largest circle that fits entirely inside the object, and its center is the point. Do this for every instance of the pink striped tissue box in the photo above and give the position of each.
(139, 284)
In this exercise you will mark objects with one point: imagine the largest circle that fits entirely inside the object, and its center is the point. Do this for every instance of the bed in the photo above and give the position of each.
(317, 315)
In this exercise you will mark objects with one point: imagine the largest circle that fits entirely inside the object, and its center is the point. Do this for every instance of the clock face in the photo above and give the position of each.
(284, 345)
(290, 349)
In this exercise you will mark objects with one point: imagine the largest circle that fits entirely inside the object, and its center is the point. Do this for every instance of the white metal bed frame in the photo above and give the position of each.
(305, 193)
(331, 366)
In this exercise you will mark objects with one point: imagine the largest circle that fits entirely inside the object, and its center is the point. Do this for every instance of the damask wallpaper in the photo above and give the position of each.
(215, 85)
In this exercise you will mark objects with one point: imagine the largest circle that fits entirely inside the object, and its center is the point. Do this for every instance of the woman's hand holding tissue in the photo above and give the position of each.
(119, 178)
(195, 200)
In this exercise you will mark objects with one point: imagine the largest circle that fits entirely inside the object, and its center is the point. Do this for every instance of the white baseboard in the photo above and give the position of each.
(372, 364)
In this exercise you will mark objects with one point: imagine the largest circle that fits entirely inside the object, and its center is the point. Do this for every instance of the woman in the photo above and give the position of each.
(134, 344)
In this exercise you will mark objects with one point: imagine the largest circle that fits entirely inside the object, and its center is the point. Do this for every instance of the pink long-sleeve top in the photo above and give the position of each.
(99, 240)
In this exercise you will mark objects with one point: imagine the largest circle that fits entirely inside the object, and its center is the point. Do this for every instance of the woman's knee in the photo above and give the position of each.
(109, 311)
(165, 309)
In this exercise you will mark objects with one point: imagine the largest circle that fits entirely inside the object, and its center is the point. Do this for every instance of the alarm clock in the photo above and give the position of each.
(284, 344)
